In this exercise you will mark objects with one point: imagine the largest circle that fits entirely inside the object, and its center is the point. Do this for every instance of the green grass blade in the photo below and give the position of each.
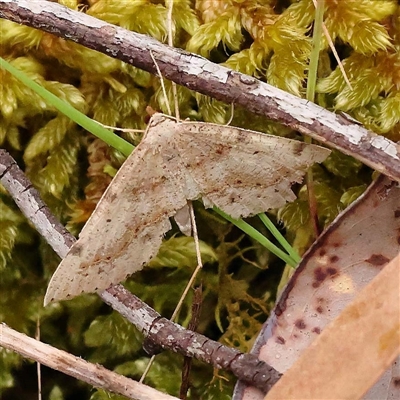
(81, 119)
(256, 235)
(279, 237)
(314, 56)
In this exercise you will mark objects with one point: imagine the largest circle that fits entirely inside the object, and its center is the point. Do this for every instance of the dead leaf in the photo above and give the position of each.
(344, 259)
(241, 172)
(354, 350)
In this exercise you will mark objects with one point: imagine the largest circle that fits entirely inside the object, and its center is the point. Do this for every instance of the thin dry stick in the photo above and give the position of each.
(332, 46)
(189, 284)
(193, 324)
(232, 114)
(199, 262)
(147, 369)
(170, 43)
(60, 360)
(153, 357)
(38, 365)
(162, 83)
(310, 179)
(114, 128)
(190, 205)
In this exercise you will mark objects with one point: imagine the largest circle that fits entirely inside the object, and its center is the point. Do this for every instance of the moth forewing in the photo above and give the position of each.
(242, 172)
(127, 226)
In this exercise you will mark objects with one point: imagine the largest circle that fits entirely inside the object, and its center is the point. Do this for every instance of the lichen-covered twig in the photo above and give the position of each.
(161, 331)
(203, 76)
(173, 337)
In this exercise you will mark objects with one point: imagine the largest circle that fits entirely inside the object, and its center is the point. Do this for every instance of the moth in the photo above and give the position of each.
(241, 172)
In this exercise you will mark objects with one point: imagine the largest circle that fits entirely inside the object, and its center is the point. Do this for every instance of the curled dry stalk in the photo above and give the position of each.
(190, 204)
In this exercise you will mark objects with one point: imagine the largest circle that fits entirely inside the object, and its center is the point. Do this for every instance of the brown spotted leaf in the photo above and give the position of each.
(354, 350)
(241, 172)
(344, 259)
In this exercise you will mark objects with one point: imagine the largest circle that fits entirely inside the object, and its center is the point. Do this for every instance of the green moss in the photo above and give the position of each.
(267, 39)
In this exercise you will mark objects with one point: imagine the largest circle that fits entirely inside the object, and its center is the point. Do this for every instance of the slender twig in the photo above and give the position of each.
(171, 44)
(38, 365)
(147, 369)
(193, 324)
(60, 360)
(199, 262)
(332, 45)
(203, 76)
(148, 344)
(160, 330)
(162, 84)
